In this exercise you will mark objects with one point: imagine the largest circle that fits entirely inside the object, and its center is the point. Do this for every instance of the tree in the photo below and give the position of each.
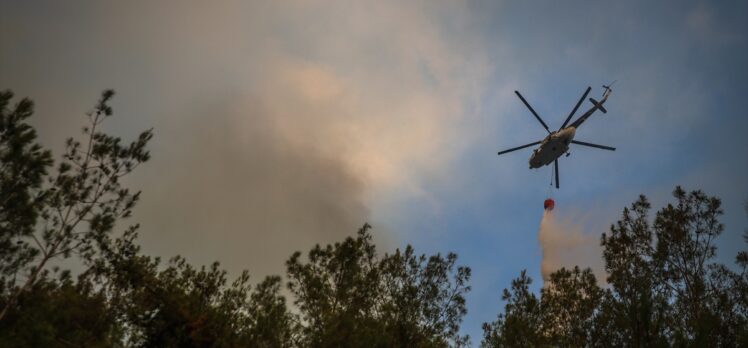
(639, 299)
(23, 166)
(570, 303)
(178, 305)
(348, 296)
(664, 288)
(519, 325)
(421, 305)
(268, 321)
(565, 315)
(77, 207)
(60, 313)
(685, 233)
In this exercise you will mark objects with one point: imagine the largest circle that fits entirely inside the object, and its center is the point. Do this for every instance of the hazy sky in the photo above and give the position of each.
(281, 124)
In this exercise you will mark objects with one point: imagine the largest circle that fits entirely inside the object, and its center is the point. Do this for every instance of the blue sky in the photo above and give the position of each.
(279, 125)
(677, 116)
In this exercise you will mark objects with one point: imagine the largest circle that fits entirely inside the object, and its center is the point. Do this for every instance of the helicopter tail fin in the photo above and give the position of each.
(599, 105)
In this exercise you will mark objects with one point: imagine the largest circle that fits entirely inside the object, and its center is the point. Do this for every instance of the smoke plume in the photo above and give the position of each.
(277, 125)
(565, 244)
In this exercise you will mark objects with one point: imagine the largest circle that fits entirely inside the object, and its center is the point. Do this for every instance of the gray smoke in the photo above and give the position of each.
(278, 125)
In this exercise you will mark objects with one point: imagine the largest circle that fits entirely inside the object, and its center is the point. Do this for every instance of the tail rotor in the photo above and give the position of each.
(607, 90)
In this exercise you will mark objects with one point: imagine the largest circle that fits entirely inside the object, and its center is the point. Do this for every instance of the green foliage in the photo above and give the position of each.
(72, 211)
(177, 305)
(23, 166)
(181, 306)
(60, 313)
(519, 325)
(564, 315)
(639, 300)
(569, 303)
(268, 322)
(349, 297)
(663, 288)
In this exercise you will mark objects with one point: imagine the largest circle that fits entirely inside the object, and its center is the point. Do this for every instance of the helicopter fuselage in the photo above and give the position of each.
(552, 147)
(557, 143)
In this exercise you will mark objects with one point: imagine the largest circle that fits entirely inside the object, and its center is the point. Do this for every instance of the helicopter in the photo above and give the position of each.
(557, 142)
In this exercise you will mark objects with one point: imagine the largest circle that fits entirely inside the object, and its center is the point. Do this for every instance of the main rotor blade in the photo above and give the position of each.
(556, 164)
(533, 111)
(593, 145)
(519, 147)
(576, 107)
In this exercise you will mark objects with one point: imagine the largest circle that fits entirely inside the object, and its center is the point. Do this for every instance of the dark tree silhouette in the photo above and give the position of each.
(519, 325)
(23, 167)
(350, 297)
(664, 288)
(60, 312)
(77, 207)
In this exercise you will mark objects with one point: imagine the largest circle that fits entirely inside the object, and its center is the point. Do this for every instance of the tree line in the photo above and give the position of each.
(664, 287)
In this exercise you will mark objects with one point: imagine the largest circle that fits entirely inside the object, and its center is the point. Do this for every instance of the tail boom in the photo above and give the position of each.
(597, 105)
